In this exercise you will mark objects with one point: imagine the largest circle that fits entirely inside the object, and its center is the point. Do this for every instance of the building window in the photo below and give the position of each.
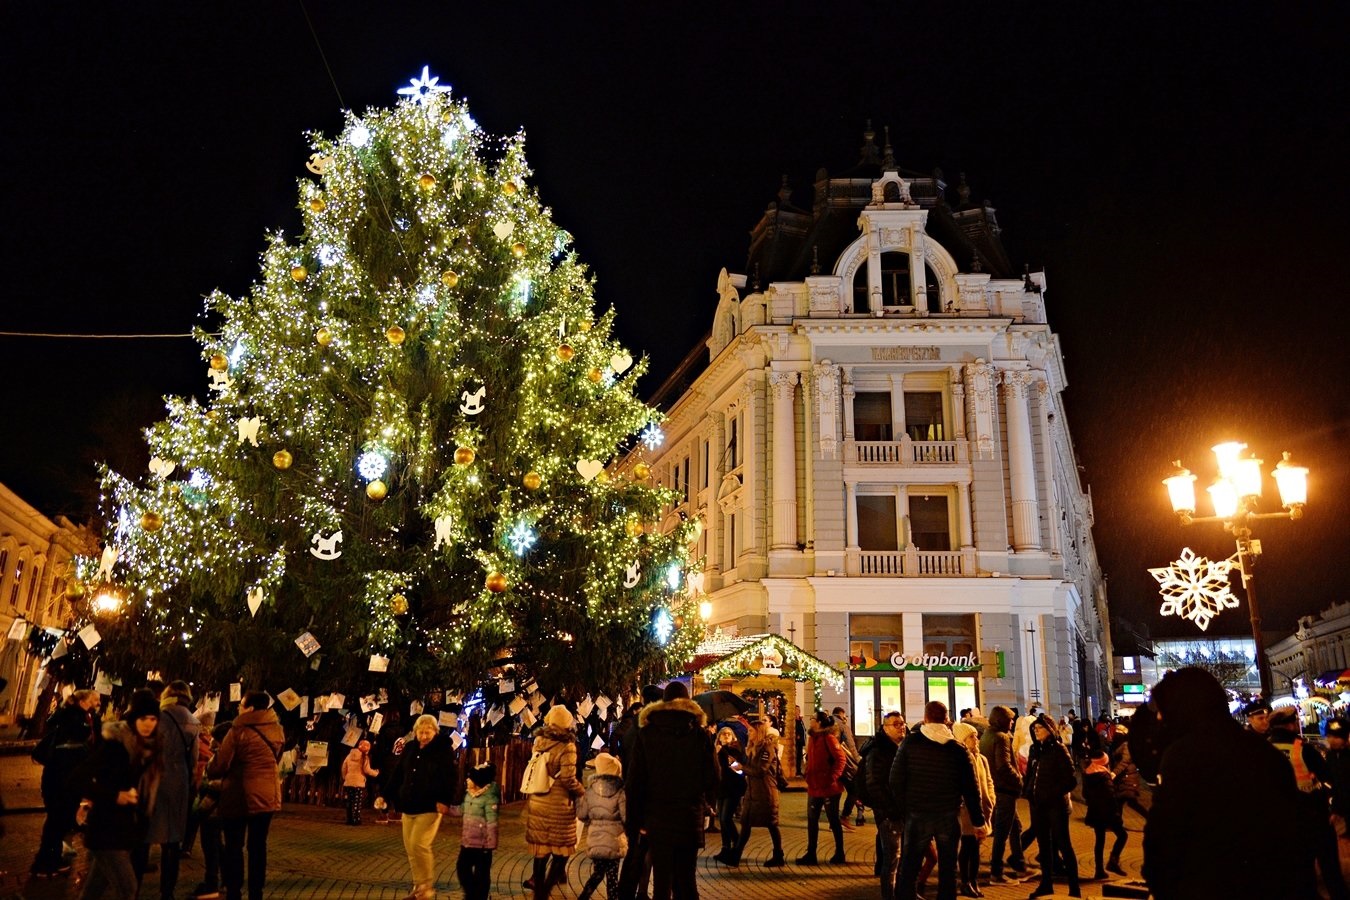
(685, 480)
(4, 562)
(876, 523)
(929, 523)
(923, 416)
(707, 462)
(895, 279)
(872, 639)
(952, 635)
(731, 441)
(872, 416)
(18, 580)
(30, 603)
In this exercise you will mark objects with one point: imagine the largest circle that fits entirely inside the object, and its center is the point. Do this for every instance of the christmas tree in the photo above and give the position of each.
(407, 457)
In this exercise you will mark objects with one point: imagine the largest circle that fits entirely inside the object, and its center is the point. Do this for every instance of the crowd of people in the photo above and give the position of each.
(160, 775)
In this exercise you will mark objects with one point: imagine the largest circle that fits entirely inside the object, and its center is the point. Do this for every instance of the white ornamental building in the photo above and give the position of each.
(875, 441)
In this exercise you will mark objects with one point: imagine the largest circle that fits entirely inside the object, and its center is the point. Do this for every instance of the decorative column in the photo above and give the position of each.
(1048, 463)
(849, 392)
(958, 406)
(918, 281)
(717, 452)
(852, 553)
(963, 526)
(784, 386)
(875, 300)
(1021, 461)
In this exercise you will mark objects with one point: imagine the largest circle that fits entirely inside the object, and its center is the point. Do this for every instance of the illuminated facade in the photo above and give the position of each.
(35, 555)
(1318, 651)
(875, 441)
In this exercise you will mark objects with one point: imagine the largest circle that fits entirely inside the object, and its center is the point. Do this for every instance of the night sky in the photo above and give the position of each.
(1179, 174)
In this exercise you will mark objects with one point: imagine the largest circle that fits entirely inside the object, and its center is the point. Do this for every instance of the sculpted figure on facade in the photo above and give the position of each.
(980, 399)
(826, 377)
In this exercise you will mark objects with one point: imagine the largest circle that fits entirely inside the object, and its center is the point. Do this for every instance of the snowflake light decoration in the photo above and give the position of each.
(652, 437)
(663, 626)
(419, 89)
(1195, 588)
(521, 538)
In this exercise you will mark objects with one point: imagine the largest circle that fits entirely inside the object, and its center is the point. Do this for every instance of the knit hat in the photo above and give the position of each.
(558, 717)
(143, 703)
(605, 764)
(482, 775)
(961, 731)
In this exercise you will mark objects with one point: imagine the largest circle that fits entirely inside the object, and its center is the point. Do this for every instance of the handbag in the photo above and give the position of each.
(536, 779)
(850, 770)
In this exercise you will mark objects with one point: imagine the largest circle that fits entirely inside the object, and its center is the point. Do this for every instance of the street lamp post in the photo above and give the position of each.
(1236, 495)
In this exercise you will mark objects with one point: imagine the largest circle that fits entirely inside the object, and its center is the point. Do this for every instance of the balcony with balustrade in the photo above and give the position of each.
(907, 452)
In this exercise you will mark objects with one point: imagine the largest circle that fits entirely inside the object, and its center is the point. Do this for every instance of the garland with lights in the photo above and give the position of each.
(403, 457)
(746, 660)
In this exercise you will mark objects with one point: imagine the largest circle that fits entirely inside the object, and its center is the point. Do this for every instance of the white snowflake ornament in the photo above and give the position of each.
(1195, 588)
(420, 89)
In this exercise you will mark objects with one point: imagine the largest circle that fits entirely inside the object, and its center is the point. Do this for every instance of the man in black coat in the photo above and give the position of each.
(876, 773)
(930, 777)
(72, 734)
(1312, 777)
(671, 779)
(1224, 804)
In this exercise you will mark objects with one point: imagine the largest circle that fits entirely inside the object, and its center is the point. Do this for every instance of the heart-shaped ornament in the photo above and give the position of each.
(589, 468)
(620, 363)
(255, 597)
(503, 229)
(162, 468)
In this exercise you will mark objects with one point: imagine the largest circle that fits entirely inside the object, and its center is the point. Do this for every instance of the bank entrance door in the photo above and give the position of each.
(956, 689)
(873, 697)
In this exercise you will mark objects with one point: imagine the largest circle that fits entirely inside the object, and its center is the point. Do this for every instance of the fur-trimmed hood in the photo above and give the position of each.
(667, 709)
(548, 737)
(817, 728)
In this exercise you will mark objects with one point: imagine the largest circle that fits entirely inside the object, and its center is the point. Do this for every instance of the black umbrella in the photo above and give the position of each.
(721, 705)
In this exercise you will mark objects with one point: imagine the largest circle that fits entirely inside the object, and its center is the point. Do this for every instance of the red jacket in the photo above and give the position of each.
(824, 762)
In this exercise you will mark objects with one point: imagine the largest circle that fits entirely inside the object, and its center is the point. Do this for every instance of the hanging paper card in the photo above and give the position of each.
(89, 636)
(236, 692)
(584, 707)
(382, 695)
(289, 698)
(315, 663)
(456, 739)
(60, 649)
(516, 705)
(379, 663)
(337, 701)
(415, 708)
(308, 644)
(18, 630)
(530, 686)
(368, 703)
(153, 675)
(304, 707)
(103, 684)
(376, 723)
(317, 754)
(598, 743)
(211, 703)
(527, 718)
(495, 715)
(505, 686)
(447, 719)
(351, 736)
(603, 704)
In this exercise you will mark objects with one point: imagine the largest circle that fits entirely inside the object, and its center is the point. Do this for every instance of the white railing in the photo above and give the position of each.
(906, 452)
(918, 563)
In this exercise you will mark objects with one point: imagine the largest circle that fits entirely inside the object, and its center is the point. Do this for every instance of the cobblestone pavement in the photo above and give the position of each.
(313, 854)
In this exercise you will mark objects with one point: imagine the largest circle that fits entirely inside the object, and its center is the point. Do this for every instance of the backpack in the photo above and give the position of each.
(860, 791)
(43, 751)
(536, 779)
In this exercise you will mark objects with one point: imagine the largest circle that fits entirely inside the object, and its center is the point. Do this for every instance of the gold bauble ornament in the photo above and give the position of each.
(496, 582)
(509, 188)
(323, 337)
(399, 604)
(377, 490)
(518, 250)
(282, 459)
(299, 273)
(220, 362)
(585, 326)
(75, 590)
(450, 278)
(633, 527)
(212, 415)
(565, 352)
(151, 520)
(464, 456)
(603, 477)
(642, 471)
(532, 481)
(396, 335)
(427, 180)
(317, 204)
(596, 376)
